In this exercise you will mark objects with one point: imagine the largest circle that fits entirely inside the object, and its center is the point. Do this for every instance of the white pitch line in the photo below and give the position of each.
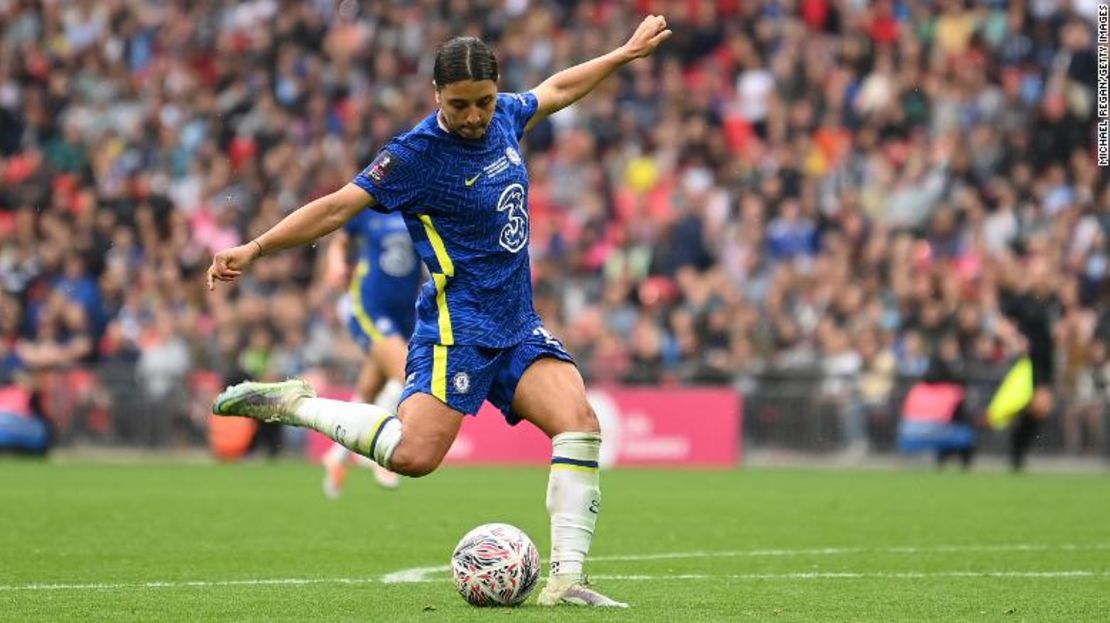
(420, 575)
(884, 575)
(837, 551)
(848, 575)
(416, 574)
(183, 584)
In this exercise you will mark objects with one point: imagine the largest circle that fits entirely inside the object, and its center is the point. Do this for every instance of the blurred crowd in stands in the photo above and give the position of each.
(839, 188)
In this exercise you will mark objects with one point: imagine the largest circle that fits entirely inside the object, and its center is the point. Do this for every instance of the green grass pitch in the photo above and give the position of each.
(258, 542)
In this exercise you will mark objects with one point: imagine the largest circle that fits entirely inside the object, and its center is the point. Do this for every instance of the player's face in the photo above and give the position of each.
(467, 106)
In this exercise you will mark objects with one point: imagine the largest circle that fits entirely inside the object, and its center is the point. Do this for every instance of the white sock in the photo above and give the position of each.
(573, 500)
(358, 459)
(390, 396)
(365, 429)
(336, 454)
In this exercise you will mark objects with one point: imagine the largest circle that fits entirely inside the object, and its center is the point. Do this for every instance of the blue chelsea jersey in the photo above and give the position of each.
(388, 275)
(465, 203)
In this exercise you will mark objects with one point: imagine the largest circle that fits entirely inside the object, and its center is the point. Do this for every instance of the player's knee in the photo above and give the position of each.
(413, 464)
(582, 419)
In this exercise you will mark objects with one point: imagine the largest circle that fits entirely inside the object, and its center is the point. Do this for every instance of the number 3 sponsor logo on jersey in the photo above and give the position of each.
(514, 235)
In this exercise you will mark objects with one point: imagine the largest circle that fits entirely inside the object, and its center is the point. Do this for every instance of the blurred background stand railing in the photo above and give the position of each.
(799, 410)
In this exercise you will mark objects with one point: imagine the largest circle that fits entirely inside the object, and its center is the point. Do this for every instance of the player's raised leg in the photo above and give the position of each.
(363, 428)
(551, 395)
(370, 382)
(389, 356)
(430, 427)
(414, 448)
(387, 399)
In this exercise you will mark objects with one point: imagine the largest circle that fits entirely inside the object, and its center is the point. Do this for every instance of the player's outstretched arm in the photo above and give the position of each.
(570, 85)
(307, 223)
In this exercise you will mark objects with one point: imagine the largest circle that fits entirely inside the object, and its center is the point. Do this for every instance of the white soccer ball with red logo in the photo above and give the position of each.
(495, 564)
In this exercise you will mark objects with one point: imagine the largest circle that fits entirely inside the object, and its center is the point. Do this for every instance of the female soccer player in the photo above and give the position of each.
(460, 183)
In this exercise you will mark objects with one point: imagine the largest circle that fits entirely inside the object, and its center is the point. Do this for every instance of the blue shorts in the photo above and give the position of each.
(463, 376)
(367, 326)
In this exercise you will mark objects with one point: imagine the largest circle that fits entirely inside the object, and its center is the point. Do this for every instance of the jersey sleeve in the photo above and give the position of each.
(393, 179)
(519, 108)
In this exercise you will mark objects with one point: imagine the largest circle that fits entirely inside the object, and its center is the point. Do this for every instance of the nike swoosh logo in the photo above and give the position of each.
(470, 182)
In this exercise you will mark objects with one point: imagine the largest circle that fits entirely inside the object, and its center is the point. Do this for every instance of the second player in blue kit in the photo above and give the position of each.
(381, 297)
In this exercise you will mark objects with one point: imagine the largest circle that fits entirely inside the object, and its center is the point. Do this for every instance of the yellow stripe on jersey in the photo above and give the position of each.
(445, 264)
(439, 372)
(447, 267)
(446, 333)
(363, 318)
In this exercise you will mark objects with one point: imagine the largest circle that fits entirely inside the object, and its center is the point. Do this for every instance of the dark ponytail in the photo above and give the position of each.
(464, 58)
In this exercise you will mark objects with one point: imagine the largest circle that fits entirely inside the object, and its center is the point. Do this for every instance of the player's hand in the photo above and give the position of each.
(651, 32)
(228, 264)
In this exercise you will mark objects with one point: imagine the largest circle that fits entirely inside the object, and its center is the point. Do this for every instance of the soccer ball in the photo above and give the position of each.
(495, 564)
